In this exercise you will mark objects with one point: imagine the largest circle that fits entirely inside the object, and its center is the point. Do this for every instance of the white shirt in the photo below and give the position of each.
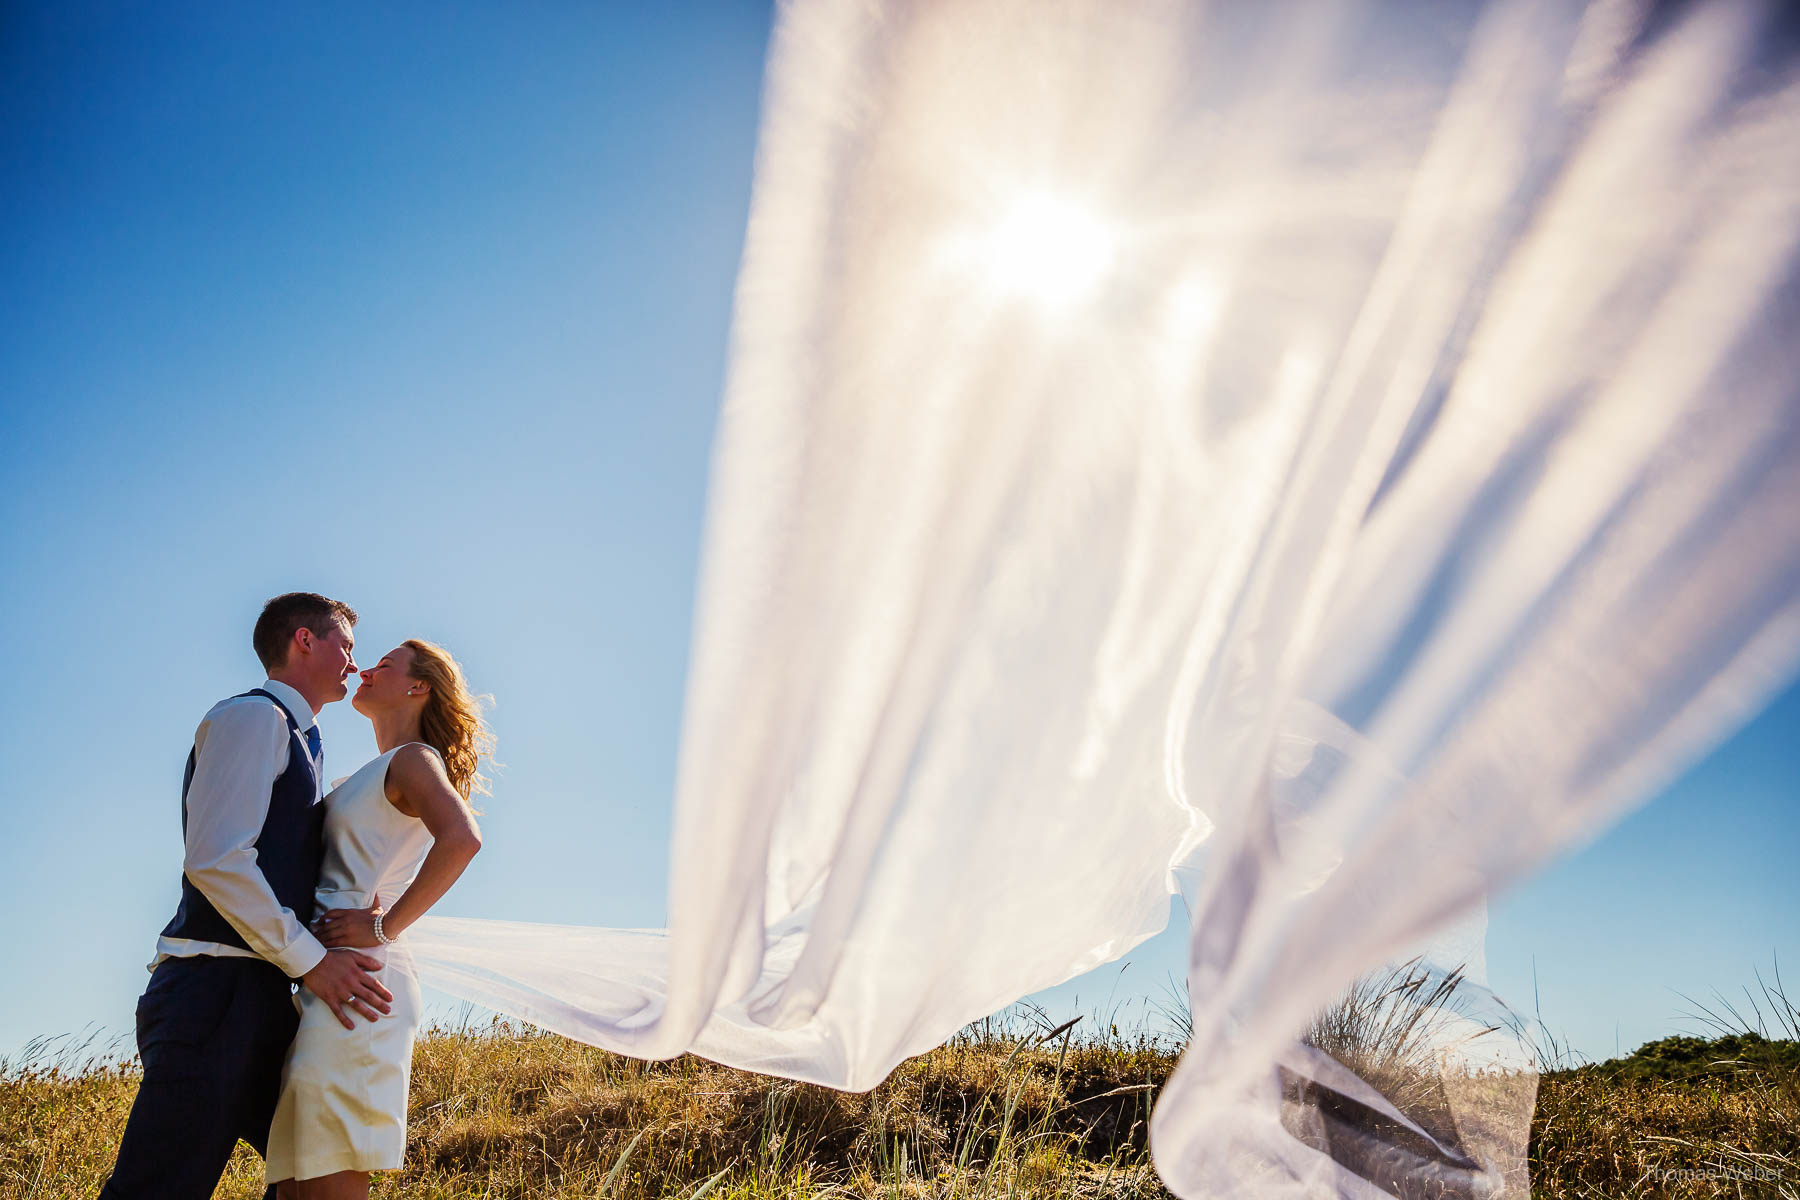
(242, 745)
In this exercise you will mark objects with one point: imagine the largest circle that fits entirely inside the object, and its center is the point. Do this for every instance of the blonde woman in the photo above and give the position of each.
(400, 827)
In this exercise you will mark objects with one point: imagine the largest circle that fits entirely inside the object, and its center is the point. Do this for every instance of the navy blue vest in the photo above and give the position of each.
(289, 850)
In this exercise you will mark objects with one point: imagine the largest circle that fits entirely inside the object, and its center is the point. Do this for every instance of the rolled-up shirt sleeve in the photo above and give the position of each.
(238, 752)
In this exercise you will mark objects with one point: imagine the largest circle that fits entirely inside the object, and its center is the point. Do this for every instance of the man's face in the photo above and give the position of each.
(330, 664)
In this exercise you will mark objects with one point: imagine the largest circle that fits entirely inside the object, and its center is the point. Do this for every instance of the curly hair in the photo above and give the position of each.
(451, 722)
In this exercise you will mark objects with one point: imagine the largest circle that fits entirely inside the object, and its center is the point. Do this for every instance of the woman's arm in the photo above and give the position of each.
(417, 786)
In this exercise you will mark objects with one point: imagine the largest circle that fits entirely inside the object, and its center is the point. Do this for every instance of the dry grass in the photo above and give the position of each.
(504, 1112)
(1598, 1135)
(1682, 1117)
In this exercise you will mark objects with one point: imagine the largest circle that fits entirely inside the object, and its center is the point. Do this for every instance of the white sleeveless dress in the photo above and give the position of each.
(343, 1091)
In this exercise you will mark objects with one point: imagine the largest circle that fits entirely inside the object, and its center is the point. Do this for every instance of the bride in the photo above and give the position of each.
(400, 826)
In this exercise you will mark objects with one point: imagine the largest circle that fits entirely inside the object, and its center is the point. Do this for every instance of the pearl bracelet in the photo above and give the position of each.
(381, 937)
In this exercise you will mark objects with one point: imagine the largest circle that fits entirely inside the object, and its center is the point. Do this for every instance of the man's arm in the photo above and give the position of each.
(236, 761)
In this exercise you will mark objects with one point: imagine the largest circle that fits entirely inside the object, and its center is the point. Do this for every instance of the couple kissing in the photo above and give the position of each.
(282, 1005)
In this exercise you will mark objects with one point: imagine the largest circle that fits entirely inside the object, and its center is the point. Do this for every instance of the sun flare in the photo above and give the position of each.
(1047, 248)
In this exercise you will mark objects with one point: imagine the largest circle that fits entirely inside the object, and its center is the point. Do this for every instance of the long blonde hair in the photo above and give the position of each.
(451, 721)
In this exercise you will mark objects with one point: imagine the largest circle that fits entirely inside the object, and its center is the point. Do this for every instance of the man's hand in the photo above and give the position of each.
(342, 980)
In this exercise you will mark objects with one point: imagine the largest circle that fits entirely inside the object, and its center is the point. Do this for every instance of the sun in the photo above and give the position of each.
(1046, 248)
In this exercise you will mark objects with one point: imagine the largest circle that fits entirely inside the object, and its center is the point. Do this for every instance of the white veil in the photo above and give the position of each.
(1320, 460)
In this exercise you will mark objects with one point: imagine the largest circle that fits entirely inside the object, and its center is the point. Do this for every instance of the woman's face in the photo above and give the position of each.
(385, 685)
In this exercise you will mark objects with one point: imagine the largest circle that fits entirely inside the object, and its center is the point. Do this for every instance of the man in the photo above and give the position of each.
(214, 1025)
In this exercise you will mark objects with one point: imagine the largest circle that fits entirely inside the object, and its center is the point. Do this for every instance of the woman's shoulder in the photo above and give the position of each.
(414, 761)
(413, 765)
(414, 756)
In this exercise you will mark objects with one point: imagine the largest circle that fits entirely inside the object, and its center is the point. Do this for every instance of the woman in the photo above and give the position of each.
(400, 826)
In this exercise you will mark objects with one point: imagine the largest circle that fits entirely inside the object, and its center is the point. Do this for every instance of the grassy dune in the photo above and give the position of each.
(503, 1112)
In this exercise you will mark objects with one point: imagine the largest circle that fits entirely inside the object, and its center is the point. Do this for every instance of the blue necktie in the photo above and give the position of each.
(315, 748)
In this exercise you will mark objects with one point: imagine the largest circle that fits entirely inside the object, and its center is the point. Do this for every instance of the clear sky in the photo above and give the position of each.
(426, 308)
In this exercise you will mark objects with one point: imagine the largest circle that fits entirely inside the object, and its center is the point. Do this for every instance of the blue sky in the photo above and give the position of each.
(426, 308)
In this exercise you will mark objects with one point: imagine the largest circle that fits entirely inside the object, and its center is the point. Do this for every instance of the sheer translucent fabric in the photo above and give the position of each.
(1319, 460)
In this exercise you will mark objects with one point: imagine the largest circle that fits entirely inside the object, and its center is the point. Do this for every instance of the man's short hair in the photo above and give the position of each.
(286, 615)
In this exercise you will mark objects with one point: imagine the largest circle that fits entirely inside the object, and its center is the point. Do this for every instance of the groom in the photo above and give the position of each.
(214, 1025)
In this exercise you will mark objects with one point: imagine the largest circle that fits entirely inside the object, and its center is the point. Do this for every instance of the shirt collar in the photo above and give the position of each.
(304, 716)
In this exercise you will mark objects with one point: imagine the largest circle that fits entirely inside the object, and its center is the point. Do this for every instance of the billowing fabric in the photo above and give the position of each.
(1320, 460)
